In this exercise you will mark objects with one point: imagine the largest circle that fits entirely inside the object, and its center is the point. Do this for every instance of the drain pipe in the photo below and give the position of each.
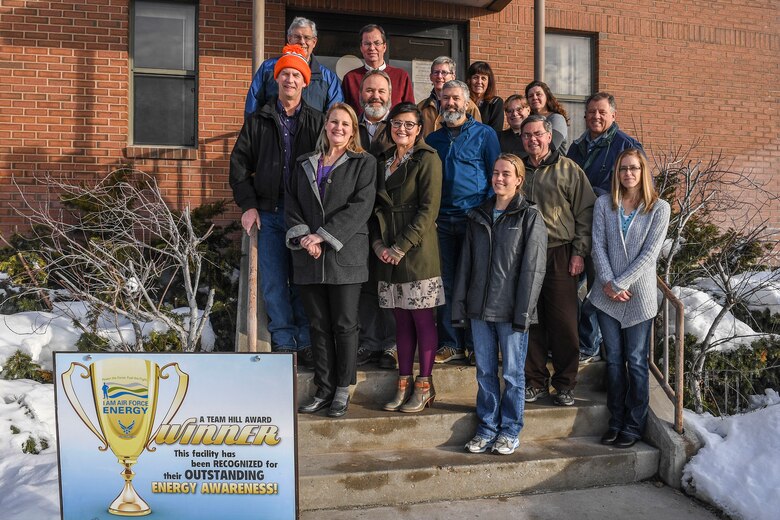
(539, 40)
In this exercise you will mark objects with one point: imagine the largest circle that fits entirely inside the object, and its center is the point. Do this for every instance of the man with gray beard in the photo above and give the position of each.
(377, 325)
(375, 99)
(468, 150)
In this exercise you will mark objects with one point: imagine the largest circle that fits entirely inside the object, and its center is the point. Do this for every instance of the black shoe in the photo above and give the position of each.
(338, 409)
(365, 356)
(625, 441)
(306, 358)
(389, 359)
(315, 405)
(609, 438)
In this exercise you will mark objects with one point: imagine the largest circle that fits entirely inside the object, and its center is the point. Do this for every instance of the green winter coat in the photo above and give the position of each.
(407, 204)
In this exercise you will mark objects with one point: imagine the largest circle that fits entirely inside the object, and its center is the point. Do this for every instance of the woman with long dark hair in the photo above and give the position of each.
(541, 100)
(482, 86)
(403, 235)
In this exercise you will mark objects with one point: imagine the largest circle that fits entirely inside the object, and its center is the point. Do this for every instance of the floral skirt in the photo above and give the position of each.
(419, 294)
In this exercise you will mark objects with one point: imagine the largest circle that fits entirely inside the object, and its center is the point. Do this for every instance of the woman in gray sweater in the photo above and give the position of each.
(629, 227)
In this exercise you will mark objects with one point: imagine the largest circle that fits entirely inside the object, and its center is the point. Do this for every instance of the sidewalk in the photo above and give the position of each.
(640, 501)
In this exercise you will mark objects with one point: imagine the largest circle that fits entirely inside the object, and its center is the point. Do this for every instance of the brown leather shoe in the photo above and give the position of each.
(423, 395)
(405, 384)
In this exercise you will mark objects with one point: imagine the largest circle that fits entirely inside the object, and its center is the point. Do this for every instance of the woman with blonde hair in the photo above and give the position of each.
(328, 201)
(629, 227)
(497, 285)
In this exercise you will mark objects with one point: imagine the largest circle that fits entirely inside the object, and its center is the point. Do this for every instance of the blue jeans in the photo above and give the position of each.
(497, 413)
(628, 374)
(287, 322)
(452, 233)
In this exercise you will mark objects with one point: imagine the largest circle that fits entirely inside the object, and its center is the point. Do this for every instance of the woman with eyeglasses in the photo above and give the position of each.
(482, 85)
(629, 227)
(328, 201)
(403, 235)
(541, 100)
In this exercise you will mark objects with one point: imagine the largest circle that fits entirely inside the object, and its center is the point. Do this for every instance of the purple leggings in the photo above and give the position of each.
(412, 328)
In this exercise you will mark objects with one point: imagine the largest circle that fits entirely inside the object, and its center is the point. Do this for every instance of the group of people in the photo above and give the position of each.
(396, 231)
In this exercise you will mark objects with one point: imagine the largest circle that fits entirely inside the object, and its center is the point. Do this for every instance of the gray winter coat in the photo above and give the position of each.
(628, 263)
(340, 218)
(502, 265)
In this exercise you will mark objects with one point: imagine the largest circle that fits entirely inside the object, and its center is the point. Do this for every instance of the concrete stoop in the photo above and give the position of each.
(373, 457)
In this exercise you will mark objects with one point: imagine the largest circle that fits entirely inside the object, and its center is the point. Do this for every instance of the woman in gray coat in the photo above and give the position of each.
(328, 201)
(629, 227)
(404, 239)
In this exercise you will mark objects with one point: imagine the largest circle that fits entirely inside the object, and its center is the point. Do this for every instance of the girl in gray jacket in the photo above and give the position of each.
(499, 277)
(629, 227)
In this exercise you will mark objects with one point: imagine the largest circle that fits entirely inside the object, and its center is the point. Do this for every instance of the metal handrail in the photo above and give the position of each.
(662, 375)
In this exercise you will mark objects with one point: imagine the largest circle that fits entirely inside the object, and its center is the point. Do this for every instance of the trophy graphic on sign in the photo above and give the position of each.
(125, 391)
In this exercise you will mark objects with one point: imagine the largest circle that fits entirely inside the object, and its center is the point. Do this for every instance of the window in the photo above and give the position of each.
(569, 71)
(164, 81)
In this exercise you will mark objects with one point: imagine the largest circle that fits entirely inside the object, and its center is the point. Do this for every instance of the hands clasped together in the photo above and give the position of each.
(618, 296)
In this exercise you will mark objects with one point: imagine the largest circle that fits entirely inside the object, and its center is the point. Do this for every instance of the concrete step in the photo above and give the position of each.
(452, 421)
(375, 385)
(361, 478)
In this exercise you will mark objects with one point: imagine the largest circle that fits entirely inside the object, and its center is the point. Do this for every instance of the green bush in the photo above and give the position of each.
(21, 366)
(163, 342)
(91, 342)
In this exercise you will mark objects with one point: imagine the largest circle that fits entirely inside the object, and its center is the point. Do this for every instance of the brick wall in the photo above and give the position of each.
(680, 71)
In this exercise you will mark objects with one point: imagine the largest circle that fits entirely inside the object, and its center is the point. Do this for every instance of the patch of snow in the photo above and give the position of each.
(738, 469)
(700, 312)
(766, 297)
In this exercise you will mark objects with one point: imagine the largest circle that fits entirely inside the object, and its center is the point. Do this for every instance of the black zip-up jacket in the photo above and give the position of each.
(257, 160)
(502, 265)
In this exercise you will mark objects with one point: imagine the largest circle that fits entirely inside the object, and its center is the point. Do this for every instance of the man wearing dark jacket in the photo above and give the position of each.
(565, 199)
(377, 325)
(262, 159)
(596, 151)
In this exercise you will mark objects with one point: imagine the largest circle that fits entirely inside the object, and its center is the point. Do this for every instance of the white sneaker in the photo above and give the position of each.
(479, 444)
(505, 445)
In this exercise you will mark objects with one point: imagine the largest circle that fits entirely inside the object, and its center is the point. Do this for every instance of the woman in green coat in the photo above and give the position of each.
(403, 235)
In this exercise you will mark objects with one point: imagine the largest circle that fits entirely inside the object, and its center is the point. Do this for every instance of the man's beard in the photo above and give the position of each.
(375, 112)
(452, 117)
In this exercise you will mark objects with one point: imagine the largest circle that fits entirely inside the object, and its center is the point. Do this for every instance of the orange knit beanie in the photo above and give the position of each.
(293, 57)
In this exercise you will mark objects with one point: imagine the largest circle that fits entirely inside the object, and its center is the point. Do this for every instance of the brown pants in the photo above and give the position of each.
(557, 328)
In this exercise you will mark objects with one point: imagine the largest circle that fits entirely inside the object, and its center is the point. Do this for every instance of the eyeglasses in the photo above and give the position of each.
(632, 168)
(408, 125)
(538, 135)
(297, 38)
(440, 73)
(376, 44)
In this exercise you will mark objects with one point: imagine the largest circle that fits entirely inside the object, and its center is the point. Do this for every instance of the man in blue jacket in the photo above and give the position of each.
(323, 90)
(467, 149)
(595, 151)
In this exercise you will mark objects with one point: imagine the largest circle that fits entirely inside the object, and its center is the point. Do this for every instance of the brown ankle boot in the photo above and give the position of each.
(423, 395)
(401, 395)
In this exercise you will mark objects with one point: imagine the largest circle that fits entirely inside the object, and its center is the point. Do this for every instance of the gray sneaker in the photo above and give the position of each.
(564, 398)
(505, 445)
(479, 444)
(532, 394)
(586, 359)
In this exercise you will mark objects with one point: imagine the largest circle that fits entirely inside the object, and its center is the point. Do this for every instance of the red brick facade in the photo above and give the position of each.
(679, 70)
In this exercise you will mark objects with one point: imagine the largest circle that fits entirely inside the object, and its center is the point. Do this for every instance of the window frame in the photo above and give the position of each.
(594, 82)
(162, 73)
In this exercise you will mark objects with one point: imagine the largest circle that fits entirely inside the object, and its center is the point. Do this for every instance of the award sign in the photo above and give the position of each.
(224, 448)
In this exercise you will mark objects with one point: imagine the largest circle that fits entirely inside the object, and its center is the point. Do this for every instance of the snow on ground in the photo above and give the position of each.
(39, 334)
(738, 469)
(767, 297)
(701, 310)
(29, 485)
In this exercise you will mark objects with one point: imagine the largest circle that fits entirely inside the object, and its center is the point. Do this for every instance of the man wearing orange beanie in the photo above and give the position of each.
(262, 159)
